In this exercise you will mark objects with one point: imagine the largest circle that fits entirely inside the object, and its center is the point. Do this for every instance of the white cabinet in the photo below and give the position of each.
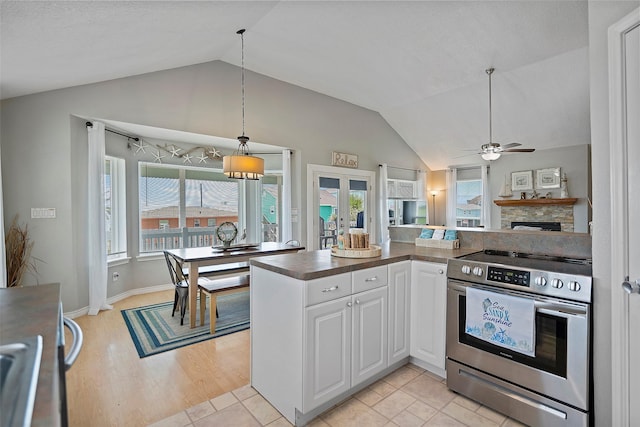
(328, 351)
(313, 341)
(399, 310)
(402, 189)
(369, 340)
(428, 314)
(346, 340)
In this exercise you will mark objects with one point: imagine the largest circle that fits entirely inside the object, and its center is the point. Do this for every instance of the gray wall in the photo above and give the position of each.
(44, 151)
(574, 161)
(601, 16)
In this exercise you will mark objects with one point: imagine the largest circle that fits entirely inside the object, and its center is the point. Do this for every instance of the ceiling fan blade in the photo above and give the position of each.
(519, 150)
(511, 145)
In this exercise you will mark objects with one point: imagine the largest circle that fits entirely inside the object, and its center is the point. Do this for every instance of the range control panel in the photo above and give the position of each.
(507, 275)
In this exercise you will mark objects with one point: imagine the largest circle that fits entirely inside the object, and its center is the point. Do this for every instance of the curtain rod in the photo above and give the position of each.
(135, 138)
(406, 169)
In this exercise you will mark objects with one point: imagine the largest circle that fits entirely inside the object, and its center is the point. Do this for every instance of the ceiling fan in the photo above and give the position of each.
(493, 150)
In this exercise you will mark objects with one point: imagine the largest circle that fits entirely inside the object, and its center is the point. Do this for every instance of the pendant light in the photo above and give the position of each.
(241, 165)
(490, 151)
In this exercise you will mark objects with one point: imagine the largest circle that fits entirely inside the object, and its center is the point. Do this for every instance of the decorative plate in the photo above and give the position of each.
(226, 232)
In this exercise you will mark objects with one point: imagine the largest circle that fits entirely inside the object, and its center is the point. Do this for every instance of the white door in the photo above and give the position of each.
(369, 340)
(338, 199)
(624, 66)
(328, 352)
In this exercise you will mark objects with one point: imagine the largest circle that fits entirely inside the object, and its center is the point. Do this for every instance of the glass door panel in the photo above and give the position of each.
(341, 201)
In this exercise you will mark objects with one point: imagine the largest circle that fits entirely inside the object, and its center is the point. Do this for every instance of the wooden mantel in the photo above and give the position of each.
(534, 202)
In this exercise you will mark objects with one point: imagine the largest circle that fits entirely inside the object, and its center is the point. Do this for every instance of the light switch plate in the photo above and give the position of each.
(43, 212)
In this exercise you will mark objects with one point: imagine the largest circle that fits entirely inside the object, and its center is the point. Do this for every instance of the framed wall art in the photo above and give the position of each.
(548, 178)
(522, 180)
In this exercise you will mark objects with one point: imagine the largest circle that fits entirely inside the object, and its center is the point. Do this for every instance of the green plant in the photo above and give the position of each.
(18, 246)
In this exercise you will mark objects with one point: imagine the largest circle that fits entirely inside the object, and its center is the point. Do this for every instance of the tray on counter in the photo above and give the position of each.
(442, 244)
(370, 252)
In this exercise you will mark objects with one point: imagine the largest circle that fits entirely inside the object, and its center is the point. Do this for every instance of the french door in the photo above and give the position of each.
(338, 199)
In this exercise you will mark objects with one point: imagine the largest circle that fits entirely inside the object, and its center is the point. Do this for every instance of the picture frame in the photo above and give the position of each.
(548, 178)
(522, 180)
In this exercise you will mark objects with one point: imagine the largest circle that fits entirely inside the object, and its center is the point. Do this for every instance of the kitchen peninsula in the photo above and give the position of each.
(325, 327)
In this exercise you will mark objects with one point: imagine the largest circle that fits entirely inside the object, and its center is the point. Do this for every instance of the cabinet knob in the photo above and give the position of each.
(349, 304)
(357, 301)
(440, 271)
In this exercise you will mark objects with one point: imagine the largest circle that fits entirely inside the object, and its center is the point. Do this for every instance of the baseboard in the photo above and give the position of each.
(85, 310)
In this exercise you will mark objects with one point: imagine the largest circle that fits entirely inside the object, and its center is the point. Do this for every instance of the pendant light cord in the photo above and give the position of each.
(241, 32)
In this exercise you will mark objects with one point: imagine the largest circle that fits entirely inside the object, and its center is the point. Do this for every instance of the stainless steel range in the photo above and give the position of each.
(550, 386)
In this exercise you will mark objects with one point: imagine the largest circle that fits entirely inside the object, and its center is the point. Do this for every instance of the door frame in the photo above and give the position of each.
(312, 196)
(619, 219)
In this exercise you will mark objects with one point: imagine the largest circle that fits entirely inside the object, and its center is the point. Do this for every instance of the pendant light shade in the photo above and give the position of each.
(241, 165)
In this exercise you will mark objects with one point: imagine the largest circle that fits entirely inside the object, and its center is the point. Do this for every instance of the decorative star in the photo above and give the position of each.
(140, 146)
(175, 151)
(202, 157)
(213, 153)
(187, 158)
(157, 157)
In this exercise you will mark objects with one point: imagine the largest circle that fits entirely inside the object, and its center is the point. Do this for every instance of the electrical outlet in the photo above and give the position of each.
(115, 276)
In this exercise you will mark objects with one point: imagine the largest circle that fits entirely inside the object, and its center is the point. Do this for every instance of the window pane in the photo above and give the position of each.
(159, 196)
(115, 207)
(468, 203)
(270, 212)
(210, 197)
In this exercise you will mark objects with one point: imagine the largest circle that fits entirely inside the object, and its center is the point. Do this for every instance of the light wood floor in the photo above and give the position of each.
(109, 385)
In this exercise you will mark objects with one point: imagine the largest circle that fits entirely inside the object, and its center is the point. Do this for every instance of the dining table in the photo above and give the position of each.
(194, 258)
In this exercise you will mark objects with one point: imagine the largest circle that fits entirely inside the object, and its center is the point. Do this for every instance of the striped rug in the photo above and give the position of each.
(154, 331)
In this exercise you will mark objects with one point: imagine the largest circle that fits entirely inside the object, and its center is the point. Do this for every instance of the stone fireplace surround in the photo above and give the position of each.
(541, 213)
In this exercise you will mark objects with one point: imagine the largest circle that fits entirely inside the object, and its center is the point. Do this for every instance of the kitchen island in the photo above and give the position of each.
(323, 327)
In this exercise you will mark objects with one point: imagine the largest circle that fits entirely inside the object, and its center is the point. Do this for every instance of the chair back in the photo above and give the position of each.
(175, 269)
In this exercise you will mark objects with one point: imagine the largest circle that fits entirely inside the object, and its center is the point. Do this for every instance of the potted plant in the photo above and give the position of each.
(18, 246)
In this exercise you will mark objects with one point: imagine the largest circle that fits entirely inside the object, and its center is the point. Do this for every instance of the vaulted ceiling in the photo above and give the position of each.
(420, 64)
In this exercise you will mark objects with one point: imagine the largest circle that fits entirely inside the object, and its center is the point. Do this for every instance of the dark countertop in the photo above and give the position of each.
(30, 311)
(320, 263)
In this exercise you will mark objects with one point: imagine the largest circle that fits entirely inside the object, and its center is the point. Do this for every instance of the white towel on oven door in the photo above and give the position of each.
(501, 319)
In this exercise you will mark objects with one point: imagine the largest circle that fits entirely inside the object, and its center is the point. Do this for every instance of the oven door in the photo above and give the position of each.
(560, 367)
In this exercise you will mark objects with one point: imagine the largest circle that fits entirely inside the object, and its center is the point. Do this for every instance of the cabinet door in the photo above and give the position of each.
(369, 341)
(327, 358)
(428, 310)
(399, 310)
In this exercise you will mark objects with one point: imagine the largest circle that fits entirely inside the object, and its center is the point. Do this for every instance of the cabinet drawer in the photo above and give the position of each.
(369, 278)
(328, 288)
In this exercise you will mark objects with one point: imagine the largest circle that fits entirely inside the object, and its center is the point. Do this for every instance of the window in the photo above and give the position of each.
(270, 200)
(175, 201)
(115, 207)
(469, 198)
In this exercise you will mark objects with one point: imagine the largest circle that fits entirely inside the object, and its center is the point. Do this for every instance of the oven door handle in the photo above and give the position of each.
(566, 312)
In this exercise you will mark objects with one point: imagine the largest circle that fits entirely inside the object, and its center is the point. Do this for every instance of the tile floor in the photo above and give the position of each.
(409, 396)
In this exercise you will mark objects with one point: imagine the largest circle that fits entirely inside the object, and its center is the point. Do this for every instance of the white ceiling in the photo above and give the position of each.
(420, 64)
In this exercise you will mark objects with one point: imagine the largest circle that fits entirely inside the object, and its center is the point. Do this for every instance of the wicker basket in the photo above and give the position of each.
(371, 252)
(442, 244)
